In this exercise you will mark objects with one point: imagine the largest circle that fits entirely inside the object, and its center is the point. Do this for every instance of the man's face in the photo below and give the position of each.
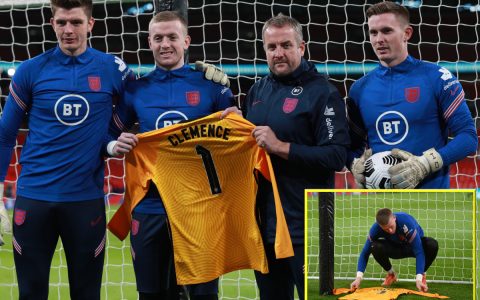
(168, 43)
(71, 27)
(391, 225)
(284, 53)
(389, 35)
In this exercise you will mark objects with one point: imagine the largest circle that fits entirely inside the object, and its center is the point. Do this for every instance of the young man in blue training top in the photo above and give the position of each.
(300, 121)
(67, 93)
(171, 93)
(407, 106)
(397, 235)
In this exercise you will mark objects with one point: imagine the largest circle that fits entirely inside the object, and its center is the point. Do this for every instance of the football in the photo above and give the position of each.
(376, 170)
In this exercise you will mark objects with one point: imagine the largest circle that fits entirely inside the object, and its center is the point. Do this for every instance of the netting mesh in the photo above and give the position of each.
(228, 33)
(445, 216)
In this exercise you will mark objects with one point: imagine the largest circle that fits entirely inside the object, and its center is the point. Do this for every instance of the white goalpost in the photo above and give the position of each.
(228, 33)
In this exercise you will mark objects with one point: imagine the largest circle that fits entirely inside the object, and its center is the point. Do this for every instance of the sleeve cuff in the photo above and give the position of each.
(360, 275)
(110, 147)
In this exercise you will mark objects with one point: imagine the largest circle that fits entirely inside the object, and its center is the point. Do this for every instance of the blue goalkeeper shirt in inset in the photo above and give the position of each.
(407, 234)
(162, 98)
(68, 101)
(413, 106)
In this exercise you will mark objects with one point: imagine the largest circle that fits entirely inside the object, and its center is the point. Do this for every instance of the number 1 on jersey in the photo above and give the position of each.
(210, 169)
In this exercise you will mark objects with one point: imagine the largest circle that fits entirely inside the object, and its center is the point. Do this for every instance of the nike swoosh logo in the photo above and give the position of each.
(95, 222)
(454, 92)
(256, 102)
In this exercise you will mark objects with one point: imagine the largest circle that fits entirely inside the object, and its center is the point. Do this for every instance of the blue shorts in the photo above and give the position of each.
(37, 225)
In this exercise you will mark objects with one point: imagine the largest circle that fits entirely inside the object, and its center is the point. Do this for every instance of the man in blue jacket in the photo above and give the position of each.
(397, 235)
(301, 122)
(407, 106)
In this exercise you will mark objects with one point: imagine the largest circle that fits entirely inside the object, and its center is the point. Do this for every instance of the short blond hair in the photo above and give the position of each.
(383, 216)
(169, 15)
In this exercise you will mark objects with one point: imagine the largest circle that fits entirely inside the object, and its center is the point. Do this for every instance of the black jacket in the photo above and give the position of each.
(307, 111)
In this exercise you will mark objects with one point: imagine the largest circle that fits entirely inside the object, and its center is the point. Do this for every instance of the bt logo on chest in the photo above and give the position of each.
(170, 117)
(71, 109)
(391, 127)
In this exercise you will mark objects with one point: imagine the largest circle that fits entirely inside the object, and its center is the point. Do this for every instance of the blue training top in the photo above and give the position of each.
(413, 106)
(407, 234)
(68, 100)
(162, 98)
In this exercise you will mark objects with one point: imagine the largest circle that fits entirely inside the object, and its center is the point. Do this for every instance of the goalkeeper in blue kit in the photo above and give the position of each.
(397, 235)
(67, 93)
(173, 92)
(407, 106)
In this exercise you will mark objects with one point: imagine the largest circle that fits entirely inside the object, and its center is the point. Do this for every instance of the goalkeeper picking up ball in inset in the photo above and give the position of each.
(397, 235)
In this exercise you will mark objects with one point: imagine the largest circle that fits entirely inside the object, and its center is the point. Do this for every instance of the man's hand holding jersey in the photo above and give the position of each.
(212, 73)
(5, 224)
(413, 169)
(123, 145)
(267, 139)
(358, 168)
(229, 110)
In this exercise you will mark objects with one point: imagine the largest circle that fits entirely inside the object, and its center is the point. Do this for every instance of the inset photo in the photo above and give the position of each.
(384, 244)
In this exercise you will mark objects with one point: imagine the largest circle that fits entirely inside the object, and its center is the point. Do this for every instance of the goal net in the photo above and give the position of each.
(446, 216)
(228, 33)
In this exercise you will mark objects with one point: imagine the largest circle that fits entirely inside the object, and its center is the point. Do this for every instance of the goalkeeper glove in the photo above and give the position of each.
(358, 168)
(409, 173)
(212, 73)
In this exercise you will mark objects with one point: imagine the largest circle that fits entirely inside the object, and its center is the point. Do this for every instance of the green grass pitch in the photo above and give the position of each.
(118, 277)
(448, 217)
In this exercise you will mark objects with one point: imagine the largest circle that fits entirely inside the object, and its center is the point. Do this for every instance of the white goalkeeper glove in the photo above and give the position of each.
(413, 169)
(5, 224)
(212, 73)
(358, 168)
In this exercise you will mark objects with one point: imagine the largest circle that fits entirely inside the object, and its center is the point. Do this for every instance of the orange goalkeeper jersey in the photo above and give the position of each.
(204, 171)
(381, 293)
